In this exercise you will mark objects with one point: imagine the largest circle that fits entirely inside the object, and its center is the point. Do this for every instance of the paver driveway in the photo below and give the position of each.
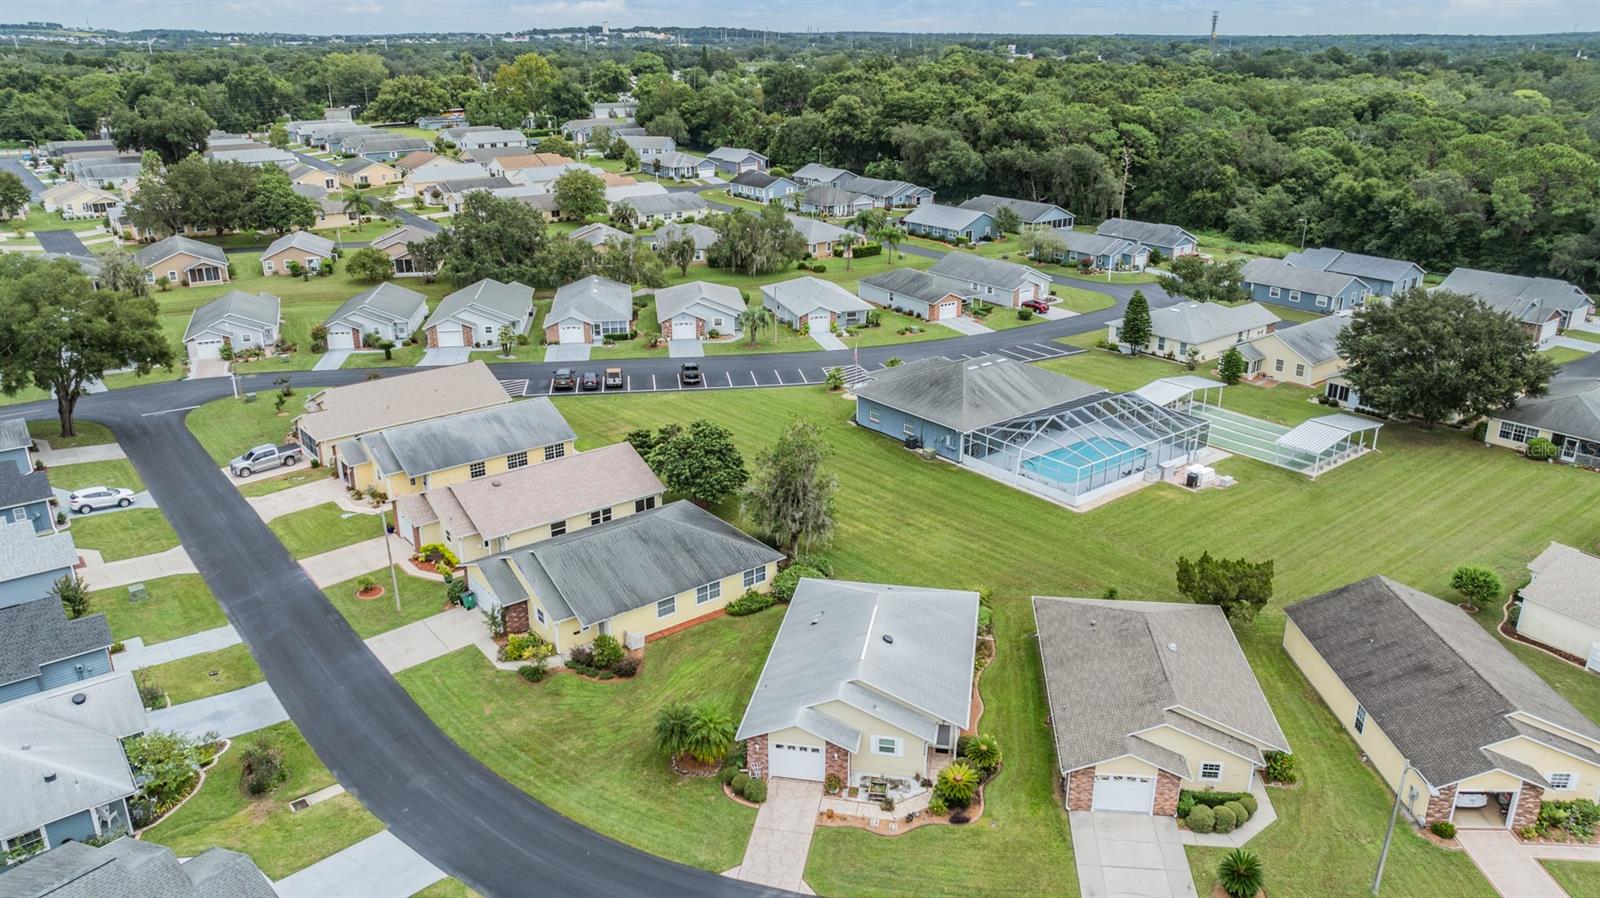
(1513, 867)
(781, 840)
(1129, 856)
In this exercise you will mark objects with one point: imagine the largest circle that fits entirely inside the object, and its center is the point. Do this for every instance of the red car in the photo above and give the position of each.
(1036, 305)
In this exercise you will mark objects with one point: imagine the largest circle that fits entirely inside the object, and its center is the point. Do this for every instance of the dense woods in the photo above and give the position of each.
(1482, 155)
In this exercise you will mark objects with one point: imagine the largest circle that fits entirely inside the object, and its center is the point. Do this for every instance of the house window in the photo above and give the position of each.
(1322, 302)
(644, 504)
(755, 575)
(1294, 295)
(555, 450)
(538, 614)
(909, 430)
(1274, 292)
(477, 469)
(1361, 719)
(1299, 371)
(599, 517)
(1562, 780)
(706, 593)
(1210, 771)
(558, 528)
(667, 607)
(886, 745)
(1516, 433)
(716, 323)
(1161, 344)
(1338, 392)
(27, 843)
(872, 416)
(267, 265)
(1277, 365)
(516, 460)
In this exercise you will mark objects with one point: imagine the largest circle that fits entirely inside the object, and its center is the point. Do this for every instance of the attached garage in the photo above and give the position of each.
(684, 327)
(798, 762)
(1135, 794)
(341, 338)
(948, 309)
(205, 348)
(571, 333)
(820, 318)
(449, 334)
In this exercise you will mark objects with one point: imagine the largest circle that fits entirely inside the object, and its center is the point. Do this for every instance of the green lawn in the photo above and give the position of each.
(419, 598)
(834, 270)
(1413, 510)
(1116, 277)
(112, 472)
(123, 534)
(205, 675)
(1001, 318)
(1077, 299)
(280, 841)
(1579, 878)
(88, 433)
(323, 528)
(1225, 249)
(401, 357)
(1576, 334)
(40, 220)
(1294, 316)
(447, 888)
(296, 477)
(888, 331)
(173, 606)
(1561, 355)
(227, 427)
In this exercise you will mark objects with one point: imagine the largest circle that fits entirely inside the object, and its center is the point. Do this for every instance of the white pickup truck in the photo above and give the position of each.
(263, 457)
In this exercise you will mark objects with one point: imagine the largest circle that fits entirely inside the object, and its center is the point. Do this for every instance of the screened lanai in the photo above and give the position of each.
(1075, 451)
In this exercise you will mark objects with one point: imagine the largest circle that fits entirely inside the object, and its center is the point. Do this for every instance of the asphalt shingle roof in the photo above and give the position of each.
(911, 282)
(815, 230)
(162, 250)
(304, 241)
(391, 401)
(1566, 581)
(17, 488)
(35, 633)
(1274, 273)
(1097, 244)
(672, 300)
(733, 154)
(1027, 210)
(14, 434)
(950, 218)
(703, 236)
(802, 294)
(434, 445)
(387, 300)
(1357, 264)
(828, 195)
(593, 299)
(984, 271)
(758, 179)
(1571, 406)
(1201, 322)
(815, 171)
(23, 552)
(1316, 341)
(1145, 232)
(1528, 298)
(664, 203)
(966, 394)
(132, 868)
(258, 308)
(513, 302)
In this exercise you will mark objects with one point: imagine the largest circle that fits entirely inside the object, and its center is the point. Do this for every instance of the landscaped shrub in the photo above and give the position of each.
(534, 672)
(784, 584)
(1240, 874)
(831, 784)
(261, 767)
(749, 603)
(755, 790)
(937, 807)
(868, 249)
(526, 647)
(985, 620)
(1024, 314)
(1540, 448)
(1480, 431)
(1200, 819)
(607, 651)
(983, 751)
(1240, 812)
(1211, 797)
(438, 554)
(727, 773)
(1280, 767)
(1576, 818)
(1185, 804)
(887, 804)
(1250, 804)
(1444, 829)
(739, 781)
(960, 817)
(582, 656)
(957, 784)
(1227, 821)
(627, 667)
(820, 268)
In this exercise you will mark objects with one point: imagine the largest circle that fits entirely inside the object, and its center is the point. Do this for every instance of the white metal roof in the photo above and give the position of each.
(1320, 434)
(1165, 390)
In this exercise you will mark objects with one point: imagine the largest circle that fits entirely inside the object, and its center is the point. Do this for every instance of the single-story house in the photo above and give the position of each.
(1279, 283)
(183, 261)
(1416, 681)
(57, 149)
(951, 223)
(887, 194)
(1104, 253)
(1169, 240)
(1384, 276)
(31, 562)
(258, 156)
(235, 319)
(75, 200)
(339, 413)
(813, 173)
(699, 309)
(16, 444)
(1306, 354)
(412, 161)
(1568, 414)
(492, 138)
(616, 193)
(440, 122)
(833, 202)
(476, 314)
(26, 497)
(308, 176)
(1561, 605)
(507, 166)
(1531, 300)
(579, 131)
(554, 493)
(454, 133)
(668, 206)
(1209, 328)
(912, 292)
(1147, 699)
(396, 244)
(134, 868)
(390, 311)
(864, 681)
(737, 160)
(1032, 213)
(586, 310)
(665, 569)
(330, 208)
(702, 236)
(453, 194)
(598, 234)
(820, 236)
(360, 172)
(991, 280)
(806, 302)
(382, 147)
(542, 177)
(307, 250)
(679, 166)
(648, 145)
(485, 156)
(543, 203)
(62, 766)
(621, 109)
(761, 186)
(422, 179)
(45, 650)
(107, 174)
(485, 442)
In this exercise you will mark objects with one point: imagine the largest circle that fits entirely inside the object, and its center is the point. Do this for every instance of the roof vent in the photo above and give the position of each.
(814, 620)
(1172, 646)
(27, 745)
(494, 483)
(79, 698)
(50, 777)
(1093, 623)
(888, 639)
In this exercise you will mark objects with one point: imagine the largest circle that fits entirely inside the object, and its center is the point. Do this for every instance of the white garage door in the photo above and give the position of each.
(341, 339)
(948, 310)
(683, 328)
(205, 349)
(798, 762)
(571, 333)
(449, 335)
(1124, 793)
(821, 320)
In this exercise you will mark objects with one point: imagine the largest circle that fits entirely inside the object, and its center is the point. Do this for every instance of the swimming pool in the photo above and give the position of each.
(1095, 458)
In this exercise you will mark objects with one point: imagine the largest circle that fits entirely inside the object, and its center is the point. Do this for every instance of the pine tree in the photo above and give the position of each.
(1232, 366)
(1135, 330)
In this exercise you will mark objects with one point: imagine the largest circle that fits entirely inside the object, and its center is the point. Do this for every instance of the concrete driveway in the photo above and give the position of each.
(1129, 856)
(1513, 867)
(332, 360)
(228, 714)
(964, 325)
(567, 352)
(685, 349)
(455, 355)
(140, 500)
(379, 866)
(781, 840)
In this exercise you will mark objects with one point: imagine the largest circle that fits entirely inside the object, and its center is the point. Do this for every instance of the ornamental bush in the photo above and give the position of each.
(957, 784)
(831, 784)
(1227, 821)
(784, 584)
(1540, 448)
(526, 647)
(1240, 874)
(1200, 819)
(534, 672)
(726, 774)
(1250, 805)
(749, 603)
(261, 767)
(937, 807)
(1240, 813)
(1280, 767)
(608, 651)
(983, 751)
(739, 781)
(755, 790)
(1444, 829)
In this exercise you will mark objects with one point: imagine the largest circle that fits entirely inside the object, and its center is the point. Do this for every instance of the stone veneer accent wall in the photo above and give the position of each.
(517, 617)
(1439, 806)
(1080, 789)
(1527, 809)
(837, 762)
(755, 756)
(1167, 789)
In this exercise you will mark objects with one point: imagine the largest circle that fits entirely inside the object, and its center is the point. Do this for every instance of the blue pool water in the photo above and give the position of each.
(1084, 459)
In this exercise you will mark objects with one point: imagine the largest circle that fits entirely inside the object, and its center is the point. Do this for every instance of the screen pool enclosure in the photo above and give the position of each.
(1070, 452)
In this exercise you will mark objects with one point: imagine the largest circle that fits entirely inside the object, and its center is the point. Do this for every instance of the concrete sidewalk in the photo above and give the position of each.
(430, 638)
(77, 455)
(136, 655)
(308, 495)
(379, 866)
(229, 714)
(781, 840)
(102, 574)
(366, 557)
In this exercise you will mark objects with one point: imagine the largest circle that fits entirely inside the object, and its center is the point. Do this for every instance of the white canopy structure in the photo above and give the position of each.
(1167, 391)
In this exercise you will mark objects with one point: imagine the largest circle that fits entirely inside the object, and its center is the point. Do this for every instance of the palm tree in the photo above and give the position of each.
(710, 732)
(889, 235)
(672, 729)
(753, 318)
(356, 204)
(1240, 874)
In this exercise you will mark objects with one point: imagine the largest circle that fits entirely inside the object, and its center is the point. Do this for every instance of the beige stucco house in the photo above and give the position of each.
(1306, 354)
(1208, 328)
(339, 413)
(308, 252)
(359, 172)
(1561, 605)
(396, 244)
(184, 262)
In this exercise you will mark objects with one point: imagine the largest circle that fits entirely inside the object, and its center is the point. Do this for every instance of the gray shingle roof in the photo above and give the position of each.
(1564, 580)
(1316, 341)
(703, 236)
(649, 142)
(985, 271)
(391, 401)
(35, 633)
(491, 135)
(1027, 210)
(383, 143)
(1114, 669)
(664, 203)
(305, 241)
(950, 218)
(1097, 244)
(635, 561)
(1437, 683)
(593, 299)
(17, 488)
(1528, 298)
(815, 230)
(911, 282)
(23, 552)
(356, 166)
(387, 300)
(878, 188)
(966, 394)
(405, 234)
(1357, 264)
(14, 434)
(828, 195)
(513, 302)
(440, 443)
(598, 234)
(816, 171)
(1274, 273)
(677, 159)
(758, 179)
(162, 250)
(256, 308)
(132, 868)
(903, 654)
(802, 294)
(462, 185)
(733, 154)
(672, 300)
(1201, 322)
(1146, 232)
(1570, 406)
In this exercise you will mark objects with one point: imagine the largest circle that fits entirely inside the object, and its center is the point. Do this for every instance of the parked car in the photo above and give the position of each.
(563, 379)
(263, 457)
(92, 497)
(1036, 305)
(614, 378)
(689, 373)
(591, 381)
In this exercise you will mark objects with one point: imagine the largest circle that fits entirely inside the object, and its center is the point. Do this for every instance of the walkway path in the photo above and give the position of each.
(310, 495)
(1585, 346)
(101, 574)
(430, 638)
(781, 841)
(379, 866)
(332, 360)
(354, 560)
(77, 454)
(1264, 817)
(229, 714)
(1129, 856)
(827, 340)
(1513, 867)
(136, 655)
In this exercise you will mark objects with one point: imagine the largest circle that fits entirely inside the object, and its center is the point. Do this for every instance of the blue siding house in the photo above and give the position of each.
(41, 650)
(15, 442)
(1386, 277)
(26, 497)
(950, 223)
(1279, 283)
(904, 425)
(761, 187)
(31, 563)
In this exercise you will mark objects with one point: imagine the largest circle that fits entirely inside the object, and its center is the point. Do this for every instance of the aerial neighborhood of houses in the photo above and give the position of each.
(924, 468)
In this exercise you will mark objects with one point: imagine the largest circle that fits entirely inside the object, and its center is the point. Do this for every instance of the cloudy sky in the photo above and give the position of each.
(1185, 17)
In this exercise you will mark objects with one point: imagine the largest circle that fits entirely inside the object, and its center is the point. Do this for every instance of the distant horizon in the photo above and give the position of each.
(1040, 18)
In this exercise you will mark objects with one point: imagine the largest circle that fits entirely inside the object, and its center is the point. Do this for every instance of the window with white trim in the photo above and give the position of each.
(1210, 770)
(1294, 295)
(1322, 302)
(706, 593)
(477, 469)
(1299, 371)
(667, 607)
(516, 460)
(558, 528)
(1562, 780)
(1277, 365)
(599, 516)
(909, 430)
(886, 745)
(538, 614)
(267, 264)
(1516, 433)
(554, 451)
(1361, 719)
(1274, 292)
(755, 575)
(873, 417)
(644, 504)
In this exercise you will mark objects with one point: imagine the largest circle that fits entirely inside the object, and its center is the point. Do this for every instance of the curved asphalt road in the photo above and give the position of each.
(447, 806)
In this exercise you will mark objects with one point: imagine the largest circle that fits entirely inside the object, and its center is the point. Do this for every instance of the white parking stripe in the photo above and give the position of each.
(802, 376)
(779, 375)
(652, 381)
(730, 378)
(755, 380)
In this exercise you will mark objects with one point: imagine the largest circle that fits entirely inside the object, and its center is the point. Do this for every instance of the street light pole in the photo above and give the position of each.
(388, 549)
(1388, 837)
(1303, 224)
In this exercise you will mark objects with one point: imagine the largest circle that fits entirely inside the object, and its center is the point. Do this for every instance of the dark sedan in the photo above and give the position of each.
(590, 381)
(563, 380)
